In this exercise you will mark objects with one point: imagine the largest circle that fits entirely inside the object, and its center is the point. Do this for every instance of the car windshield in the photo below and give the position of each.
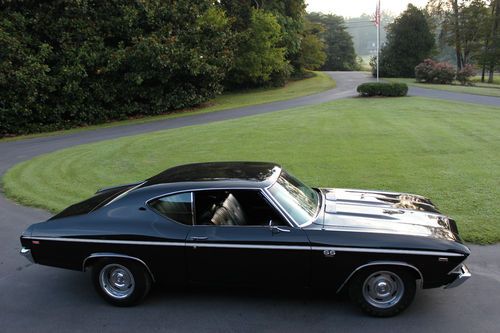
(299, 200)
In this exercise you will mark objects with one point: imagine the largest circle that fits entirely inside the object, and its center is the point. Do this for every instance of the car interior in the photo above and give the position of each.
(220, 208)
(234, 208)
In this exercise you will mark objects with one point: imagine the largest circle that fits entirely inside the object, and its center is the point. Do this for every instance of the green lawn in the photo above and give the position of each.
(445, 150)
(479, 88)
(496, 79)
(319, 82)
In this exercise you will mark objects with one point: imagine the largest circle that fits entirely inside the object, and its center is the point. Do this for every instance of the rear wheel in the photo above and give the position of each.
(382, 291)
(121, 282)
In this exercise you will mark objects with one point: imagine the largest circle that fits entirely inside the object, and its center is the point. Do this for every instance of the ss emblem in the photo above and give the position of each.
(329, 253)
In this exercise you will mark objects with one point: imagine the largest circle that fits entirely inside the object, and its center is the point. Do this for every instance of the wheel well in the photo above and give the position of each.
(402, 265)
(95, 257)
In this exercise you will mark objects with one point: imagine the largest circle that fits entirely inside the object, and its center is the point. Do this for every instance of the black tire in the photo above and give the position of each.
(383, 291)
(121, 282)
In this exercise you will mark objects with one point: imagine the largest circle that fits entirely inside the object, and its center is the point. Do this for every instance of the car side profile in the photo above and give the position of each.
(251, 223)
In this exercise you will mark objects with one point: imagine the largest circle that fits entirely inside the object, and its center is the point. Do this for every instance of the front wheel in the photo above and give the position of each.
(383, 292)
(121, 282)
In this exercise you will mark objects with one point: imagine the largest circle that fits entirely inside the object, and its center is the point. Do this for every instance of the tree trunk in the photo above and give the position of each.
(495, 39)
(458, 43)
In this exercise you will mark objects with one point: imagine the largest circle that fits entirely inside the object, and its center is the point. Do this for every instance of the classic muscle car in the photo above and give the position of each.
(253, 223)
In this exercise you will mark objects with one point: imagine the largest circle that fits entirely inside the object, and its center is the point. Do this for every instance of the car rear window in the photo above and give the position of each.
(93, 203)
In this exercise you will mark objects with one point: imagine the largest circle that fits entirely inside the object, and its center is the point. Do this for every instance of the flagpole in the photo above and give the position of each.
(378, 37)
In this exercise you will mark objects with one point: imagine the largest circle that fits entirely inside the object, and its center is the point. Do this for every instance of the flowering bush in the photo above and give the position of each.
(431, 71)
(464, 75)
(424, 71)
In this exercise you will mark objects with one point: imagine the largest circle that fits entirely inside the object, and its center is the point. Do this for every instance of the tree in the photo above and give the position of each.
(340, 54)
(258, 57)
(492, 46)
(67, 63)
(288, 14)
(473, 26)
(409, 42)
(312, 49)
(462, 25)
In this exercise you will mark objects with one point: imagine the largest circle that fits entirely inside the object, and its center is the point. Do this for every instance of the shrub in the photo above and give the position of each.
(382, 89)
(431, 71)
(465, 74)
(424, 72)
(69, 63)
(444, 73)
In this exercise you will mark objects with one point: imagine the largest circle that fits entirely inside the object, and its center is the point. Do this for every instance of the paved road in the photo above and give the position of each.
(43, 299)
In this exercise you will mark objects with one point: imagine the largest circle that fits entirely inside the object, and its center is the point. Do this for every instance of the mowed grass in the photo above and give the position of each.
(317, 83)
(496, 79)
(447, 151)
(484, 89)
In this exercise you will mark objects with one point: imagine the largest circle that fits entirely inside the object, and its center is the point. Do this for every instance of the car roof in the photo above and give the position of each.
(219, 174)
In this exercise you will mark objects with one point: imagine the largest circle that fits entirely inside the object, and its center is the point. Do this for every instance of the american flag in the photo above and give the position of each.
(377, 14)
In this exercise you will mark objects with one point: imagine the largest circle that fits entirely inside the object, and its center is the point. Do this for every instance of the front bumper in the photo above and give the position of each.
(462, 275)
(25, 252)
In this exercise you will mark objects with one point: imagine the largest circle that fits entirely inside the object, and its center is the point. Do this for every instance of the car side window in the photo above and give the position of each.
(234, 208)
(177, 207)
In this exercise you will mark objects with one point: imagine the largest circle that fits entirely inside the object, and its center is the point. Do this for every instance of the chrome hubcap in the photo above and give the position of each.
(117, 281)
(383, 289)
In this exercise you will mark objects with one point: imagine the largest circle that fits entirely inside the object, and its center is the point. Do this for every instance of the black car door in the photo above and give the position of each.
(238, 238)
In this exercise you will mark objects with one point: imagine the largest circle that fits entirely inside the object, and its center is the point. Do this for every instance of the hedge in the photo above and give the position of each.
(70, 63)
(382, 89)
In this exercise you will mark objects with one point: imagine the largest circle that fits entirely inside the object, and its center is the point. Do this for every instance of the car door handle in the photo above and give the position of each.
(199, 238)
(276, 230)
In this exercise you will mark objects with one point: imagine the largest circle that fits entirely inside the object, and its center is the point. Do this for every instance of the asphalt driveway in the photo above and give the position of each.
(43, 299)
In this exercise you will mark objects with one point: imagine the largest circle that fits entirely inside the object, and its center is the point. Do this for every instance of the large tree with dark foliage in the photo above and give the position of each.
(339, 48)
(409, 42)
(66, 63)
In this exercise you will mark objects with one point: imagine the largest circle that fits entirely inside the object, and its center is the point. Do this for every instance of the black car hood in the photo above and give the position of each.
(385, 212)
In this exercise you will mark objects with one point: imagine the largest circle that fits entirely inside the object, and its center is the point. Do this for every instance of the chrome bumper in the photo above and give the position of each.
(25, 252)
(463, 275)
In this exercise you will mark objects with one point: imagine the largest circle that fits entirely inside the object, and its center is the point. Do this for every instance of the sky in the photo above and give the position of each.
(354, 8)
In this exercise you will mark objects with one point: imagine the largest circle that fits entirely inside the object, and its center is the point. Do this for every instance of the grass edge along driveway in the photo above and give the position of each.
(445, 150)
(482, 89)
(318, 83)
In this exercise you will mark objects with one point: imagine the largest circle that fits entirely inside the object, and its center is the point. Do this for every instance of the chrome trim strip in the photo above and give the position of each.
(117, 186)
(193, 205)
(201, 189)
(193, 214)
(381, 263)
(107, 241)
(250, 246)
(320, 209)
(124, 193)
(116, 255)
(284, 212)
(279, 209)
(396, 251)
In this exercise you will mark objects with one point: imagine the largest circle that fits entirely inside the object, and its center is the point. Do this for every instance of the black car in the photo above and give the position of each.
(248, 223)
